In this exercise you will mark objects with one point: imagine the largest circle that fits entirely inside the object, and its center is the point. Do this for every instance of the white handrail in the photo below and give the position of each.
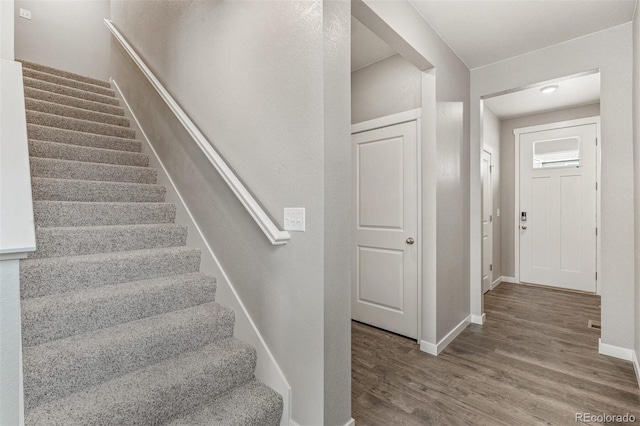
(270, 229)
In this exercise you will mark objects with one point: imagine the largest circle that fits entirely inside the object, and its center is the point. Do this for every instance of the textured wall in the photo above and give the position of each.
(611, 52)
(386, 87)
(65, 34)
(491, 138)
(507, 143)
(253, 76)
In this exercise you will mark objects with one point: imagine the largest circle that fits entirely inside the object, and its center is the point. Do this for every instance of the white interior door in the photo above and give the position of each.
(385, 258)
(558, 207)
(487, 222)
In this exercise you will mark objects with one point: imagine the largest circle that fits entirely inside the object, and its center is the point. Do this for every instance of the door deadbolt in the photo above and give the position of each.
(410, 240)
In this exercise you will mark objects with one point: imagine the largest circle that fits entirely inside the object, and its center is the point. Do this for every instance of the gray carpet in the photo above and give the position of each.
(119, 326)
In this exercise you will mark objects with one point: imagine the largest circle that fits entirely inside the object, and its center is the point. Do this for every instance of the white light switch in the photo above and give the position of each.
(294, 219)
(498, 212)
(24, 13)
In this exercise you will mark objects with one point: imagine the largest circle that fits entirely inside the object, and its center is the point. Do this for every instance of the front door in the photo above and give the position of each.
(557, 217)
(385, 258)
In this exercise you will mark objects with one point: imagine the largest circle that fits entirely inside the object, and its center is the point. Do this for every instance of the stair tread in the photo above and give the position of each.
(94, 213)
(40, 105)
(82, 170)
(70, 91)
(58, 316)
(69, 82)
(64, 151)
(153, 394)
(83, 360)
(68, 74)
(78, 240)
(251, 404)
(85, 126)
(73, 137)
(55, 275)
(64, 100)
(94, 190)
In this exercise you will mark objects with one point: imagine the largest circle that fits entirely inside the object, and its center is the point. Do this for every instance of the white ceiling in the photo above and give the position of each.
(366, 47)
(571, 92)
(482, 32)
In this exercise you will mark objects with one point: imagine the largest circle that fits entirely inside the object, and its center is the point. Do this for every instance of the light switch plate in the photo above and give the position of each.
(294, 219)
(498, 213)
(24, 13)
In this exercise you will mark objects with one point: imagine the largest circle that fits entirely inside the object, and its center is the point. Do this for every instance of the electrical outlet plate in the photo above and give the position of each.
(24, 13)
(294, 219)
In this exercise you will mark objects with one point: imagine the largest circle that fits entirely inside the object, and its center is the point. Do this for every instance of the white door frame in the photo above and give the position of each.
(489, 150)
(392, 120)
(552, 126)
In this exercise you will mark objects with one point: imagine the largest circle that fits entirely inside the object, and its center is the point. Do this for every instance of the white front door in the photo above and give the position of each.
(487, 222)
(385, 258)
(557, 217)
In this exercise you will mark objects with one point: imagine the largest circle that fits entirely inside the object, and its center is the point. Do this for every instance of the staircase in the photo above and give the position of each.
(118, 324)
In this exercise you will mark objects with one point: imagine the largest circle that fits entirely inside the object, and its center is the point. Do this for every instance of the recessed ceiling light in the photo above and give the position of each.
(549, 89)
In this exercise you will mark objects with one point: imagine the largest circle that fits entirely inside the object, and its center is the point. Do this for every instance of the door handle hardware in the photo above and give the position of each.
(524, 227)
(410, 241)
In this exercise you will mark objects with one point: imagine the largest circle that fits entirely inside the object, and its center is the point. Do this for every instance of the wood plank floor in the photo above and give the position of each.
(534, 361)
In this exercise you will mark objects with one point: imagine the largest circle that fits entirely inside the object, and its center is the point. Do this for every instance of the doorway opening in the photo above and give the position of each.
(547, 197)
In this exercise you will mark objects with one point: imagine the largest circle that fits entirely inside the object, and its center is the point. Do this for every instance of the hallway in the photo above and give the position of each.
(535, 360)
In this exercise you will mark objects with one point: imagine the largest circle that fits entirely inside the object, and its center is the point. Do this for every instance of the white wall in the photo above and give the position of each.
(65, 34)
(383, 88)
(636, 156)
(507, 143)
(445, 303)
(611, 52)
(6, 30)
(268, 84)
(491, 139)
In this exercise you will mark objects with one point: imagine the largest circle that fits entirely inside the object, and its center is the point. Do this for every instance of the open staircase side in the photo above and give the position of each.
(118, 324)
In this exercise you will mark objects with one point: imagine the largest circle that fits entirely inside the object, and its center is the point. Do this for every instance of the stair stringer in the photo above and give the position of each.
(267, 370)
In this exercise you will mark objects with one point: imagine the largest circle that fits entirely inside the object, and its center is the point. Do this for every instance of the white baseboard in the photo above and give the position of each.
(267, 370)
(636, 366)
(495, 283)
(435, 349)
(351, 422)
(511, 280)
(616, 351)
(478, 319)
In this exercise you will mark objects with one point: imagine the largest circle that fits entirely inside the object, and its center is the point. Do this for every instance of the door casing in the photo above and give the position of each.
(552, 126)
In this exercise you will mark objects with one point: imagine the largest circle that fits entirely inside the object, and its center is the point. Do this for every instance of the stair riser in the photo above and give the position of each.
(201, 377)
(65, 169)
(63, 81)
(44, 149)
(68, 91)
(61, 214)
(59, 122)
(56, 242)
(52, 277)
(51, 373)
(66, 74)
(73, 190)
(70, 137)
(77, 113)
(55, 317)
(30, 92)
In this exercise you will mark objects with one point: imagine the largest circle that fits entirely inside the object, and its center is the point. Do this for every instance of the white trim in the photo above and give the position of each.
(270, 229)
(389, 120)
(495, 283)
(636, 366)
(267, 371)
(478, 319)
(511, 280)
(351, 422)
(432, 349)
(488, 150)
(615, 351)
(554, 126)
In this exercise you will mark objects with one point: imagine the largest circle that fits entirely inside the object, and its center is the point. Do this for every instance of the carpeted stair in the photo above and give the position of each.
(119, 327)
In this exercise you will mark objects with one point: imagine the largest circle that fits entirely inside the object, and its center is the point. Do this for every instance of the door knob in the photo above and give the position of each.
(524, 227)
(410, 240)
